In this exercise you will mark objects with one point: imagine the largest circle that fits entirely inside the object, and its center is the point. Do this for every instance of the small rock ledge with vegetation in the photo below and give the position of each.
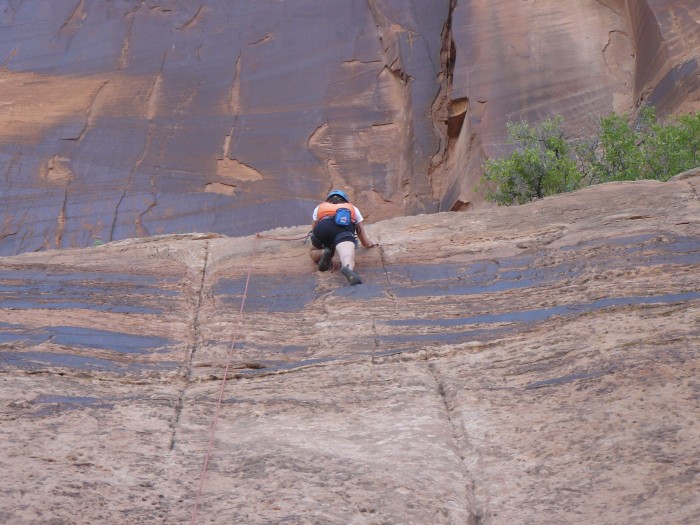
(547, 160)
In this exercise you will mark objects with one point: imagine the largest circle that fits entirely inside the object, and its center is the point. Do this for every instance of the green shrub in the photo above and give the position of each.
(545, 161)
(650, 151)
(672, 148)
(540, 165)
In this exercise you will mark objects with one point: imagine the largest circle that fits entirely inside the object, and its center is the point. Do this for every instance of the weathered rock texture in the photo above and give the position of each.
(535, 364)
(530, 60)
(128, 119)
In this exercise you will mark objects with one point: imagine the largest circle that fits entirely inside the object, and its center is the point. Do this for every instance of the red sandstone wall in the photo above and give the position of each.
(120, 120)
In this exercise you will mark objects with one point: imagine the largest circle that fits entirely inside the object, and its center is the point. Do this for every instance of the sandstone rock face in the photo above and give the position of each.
(666, 39)
(528, 60)
(125, 119)
(535, 364)
(130, 119)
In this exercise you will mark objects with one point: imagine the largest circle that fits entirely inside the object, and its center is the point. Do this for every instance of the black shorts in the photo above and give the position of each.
(327, 234)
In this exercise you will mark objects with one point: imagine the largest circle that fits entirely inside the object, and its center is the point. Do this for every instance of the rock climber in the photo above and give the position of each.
(327, 236)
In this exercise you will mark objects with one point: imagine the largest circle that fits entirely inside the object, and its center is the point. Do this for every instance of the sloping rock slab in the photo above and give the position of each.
(536, 364)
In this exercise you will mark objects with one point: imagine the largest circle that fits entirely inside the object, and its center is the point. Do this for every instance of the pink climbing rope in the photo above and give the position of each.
(212, 429)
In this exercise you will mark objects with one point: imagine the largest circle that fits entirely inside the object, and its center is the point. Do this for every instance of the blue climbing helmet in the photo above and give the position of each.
(339, 193)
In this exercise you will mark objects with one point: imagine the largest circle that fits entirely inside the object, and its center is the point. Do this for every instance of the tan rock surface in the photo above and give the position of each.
(534, 364)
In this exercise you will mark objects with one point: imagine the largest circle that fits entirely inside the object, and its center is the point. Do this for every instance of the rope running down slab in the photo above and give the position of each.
(212, 429)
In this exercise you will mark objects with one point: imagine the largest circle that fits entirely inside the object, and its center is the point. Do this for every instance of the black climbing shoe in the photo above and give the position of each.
(353, 278)
(324, 263)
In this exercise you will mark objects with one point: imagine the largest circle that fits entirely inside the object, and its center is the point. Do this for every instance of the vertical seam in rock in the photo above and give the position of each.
(75, 16)
(386, 274)
(457, 438)
(193, 20)
(389, 293)
(126, 45)
(140, 229)
(138, 163)
(90, 110)
(234, 98)
(441, 102)
(376, 341)
(196, 335)
(61, 221)
(200, 292)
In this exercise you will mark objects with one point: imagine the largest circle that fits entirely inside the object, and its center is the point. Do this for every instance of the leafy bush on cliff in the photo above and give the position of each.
(545, 161)
(541, 164)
